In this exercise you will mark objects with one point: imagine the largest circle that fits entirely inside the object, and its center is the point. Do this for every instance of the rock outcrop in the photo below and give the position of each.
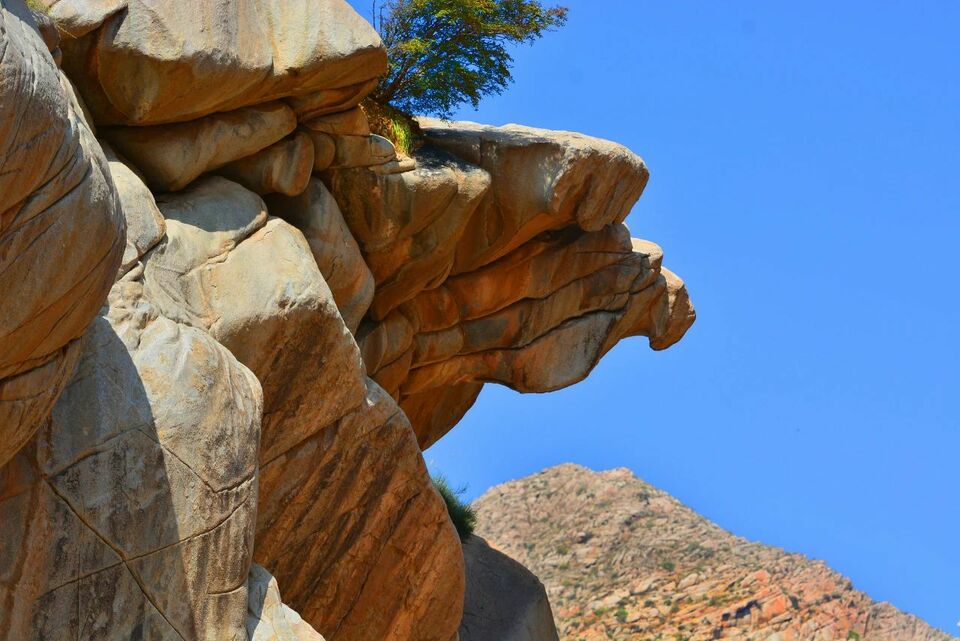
(234, 316)
(623, 560)
(507, 262)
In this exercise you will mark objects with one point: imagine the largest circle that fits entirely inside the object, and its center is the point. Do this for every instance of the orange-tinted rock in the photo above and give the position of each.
(354, 531)
(505, 262)
(408, 224)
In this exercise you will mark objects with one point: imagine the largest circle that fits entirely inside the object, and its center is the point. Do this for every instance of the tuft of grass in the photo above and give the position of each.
(38, 6)
(463, 516)
(669, 566)
(394, 125)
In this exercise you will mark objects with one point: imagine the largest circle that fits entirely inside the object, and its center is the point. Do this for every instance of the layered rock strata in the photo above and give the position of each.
(233, 317)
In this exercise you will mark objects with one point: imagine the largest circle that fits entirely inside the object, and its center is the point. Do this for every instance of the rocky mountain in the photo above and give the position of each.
(232, 316)
(623, 560)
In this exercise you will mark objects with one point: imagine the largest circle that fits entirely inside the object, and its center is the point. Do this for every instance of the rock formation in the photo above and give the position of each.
(623, 560)
(233, 317)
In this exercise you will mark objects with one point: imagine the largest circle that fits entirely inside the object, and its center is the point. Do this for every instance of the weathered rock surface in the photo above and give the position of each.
(252, 282)
(61, 231)
(352, 527)
(131, 515)
(623, 560)
(542, 180)
(284, 167)
(408, 224)
(504, 601)
(507, 262)
(317, 215)
(268, 619)
(219, 56)
(173, 156)
(145, 224)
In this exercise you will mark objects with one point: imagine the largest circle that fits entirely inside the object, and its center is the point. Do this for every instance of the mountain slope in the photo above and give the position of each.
(623, 560)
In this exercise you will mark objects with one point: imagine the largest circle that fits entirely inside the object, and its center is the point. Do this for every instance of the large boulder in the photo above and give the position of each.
(504, 601)
(173, 156)
(316, 213)
(345, 499)
(252, 282)
(131, 515)
(61, 230)
(542, 180)
(220, 55)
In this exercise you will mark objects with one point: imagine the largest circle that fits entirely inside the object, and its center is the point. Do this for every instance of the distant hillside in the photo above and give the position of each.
(622, 560)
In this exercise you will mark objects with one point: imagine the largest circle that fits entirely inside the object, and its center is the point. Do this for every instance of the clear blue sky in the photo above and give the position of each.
(805, 182)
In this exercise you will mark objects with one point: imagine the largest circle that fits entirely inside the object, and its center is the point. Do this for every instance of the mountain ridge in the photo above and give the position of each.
(622, 559)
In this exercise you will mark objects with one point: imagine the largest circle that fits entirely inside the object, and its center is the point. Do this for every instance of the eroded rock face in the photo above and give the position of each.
(504, 600)
(317, 214)
(507, 262)
(251, 281)
(132, 513)
(354, 530)
(61, 231)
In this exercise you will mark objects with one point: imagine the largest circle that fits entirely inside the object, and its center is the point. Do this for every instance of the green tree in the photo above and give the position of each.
(444, 53)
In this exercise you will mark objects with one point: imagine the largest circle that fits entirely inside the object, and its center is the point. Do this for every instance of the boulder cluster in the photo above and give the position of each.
(232, 318)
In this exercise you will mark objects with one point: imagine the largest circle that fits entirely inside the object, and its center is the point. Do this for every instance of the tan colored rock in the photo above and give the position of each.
(352, 122)
(354, 531)
(542, 180)
(61, 230)
(324, 149)
(268, 619)
(173, 156)
(361, 151)
(194, 60)
(409, 224)
(504, 600)
(252, 282)
(145, 225)
(317, 215)
(131, 514)
(284, 167)
(330, 101)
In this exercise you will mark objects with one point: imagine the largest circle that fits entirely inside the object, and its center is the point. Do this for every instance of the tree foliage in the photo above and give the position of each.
(444, 53)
